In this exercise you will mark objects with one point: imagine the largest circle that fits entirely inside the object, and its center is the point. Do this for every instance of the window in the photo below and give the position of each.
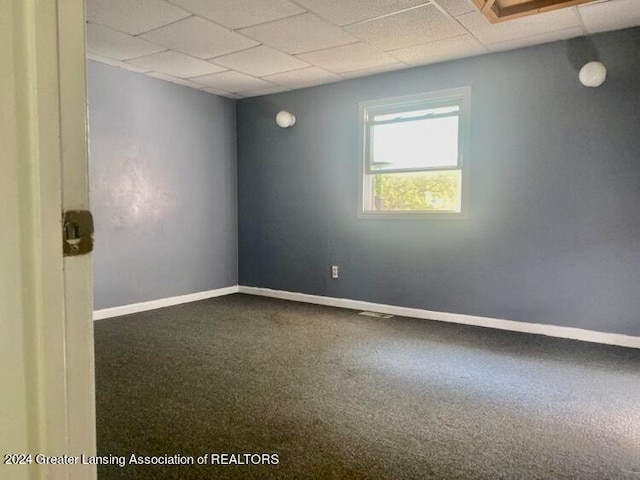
(415, 155)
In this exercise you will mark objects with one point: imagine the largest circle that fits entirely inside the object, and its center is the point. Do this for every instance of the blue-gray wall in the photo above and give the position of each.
(554, 229)
(163, 188)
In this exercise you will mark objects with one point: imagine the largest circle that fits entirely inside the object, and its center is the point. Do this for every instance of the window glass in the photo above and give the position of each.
(424, 143)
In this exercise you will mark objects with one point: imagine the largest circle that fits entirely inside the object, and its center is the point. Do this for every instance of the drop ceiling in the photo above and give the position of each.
(245, 48)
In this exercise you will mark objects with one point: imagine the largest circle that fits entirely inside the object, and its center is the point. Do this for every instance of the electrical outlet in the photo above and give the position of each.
(334, 271)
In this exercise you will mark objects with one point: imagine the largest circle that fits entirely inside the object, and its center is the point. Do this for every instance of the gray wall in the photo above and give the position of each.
(163, 188)
(554, 231)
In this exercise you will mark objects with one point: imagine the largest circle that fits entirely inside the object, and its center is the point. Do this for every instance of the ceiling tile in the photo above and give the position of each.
(177, 64)
(440, 50)
(305, 77)
(344, 12)
(260, 61)
(172, 79)
(133, 17)
(199, 38)
(413, 27)
(221, 93)
(537, 39)
(613, 15)
(373, 71)
(215, 91)
(240, 13)
(264, 91)
(457, 7)
(302, 33)
(117, 63)
(489, 33)
(109, 43)
(345, 58)
(235, 82)
(234, 96)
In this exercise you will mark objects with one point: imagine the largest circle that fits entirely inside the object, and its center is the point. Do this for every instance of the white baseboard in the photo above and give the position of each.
(162, 302)
(514, 326)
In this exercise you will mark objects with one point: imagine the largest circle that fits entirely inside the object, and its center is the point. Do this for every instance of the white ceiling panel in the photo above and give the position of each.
(105, 42)
(199, 38)
(412, 27)
(240, 13)
(440, 50)
(118, 63)
(537, 39)
(221, 93)
(177, 64)
(613, 15)
(176, 80)
(456, 7)
(302, 33)
(264, 91)
(548, 22)
(375, 70)
(133, 17)
(235, 82)
(235, 96)
(346, 58)
(215, 91)
(260, 61)
(345, 12)
(305, 77)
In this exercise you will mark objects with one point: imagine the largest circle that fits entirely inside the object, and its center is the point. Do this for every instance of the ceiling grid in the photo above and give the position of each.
(244, 48)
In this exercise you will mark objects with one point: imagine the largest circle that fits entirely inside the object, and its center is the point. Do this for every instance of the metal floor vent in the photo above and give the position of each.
(376, 314)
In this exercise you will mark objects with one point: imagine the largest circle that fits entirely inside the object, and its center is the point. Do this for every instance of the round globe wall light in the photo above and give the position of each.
(285, 119)
(593, 74)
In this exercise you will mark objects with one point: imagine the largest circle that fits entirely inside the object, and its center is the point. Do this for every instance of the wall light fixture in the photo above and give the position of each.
(285, 119)
(593, 74)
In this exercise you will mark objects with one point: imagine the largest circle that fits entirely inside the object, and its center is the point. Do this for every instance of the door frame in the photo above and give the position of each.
(46, 330)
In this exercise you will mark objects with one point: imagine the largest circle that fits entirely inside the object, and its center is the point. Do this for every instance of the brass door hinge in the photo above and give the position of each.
(77, 232)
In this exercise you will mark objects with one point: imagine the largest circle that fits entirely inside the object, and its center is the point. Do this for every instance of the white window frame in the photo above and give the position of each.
(455, 96)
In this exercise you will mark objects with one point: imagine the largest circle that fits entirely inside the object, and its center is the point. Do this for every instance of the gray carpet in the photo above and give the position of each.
(338, 395)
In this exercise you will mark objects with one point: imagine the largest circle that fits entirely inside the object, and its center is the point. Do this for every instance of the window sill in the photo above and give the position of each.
(405, 215)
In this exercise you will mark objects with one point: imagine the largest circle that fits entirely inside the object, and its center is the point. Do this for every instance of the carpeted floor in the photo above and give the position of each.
(338, 395)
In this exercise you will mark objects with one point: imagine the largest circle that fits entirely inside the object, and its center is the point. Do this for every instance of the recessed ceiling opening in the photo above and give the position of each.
(501, 10)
